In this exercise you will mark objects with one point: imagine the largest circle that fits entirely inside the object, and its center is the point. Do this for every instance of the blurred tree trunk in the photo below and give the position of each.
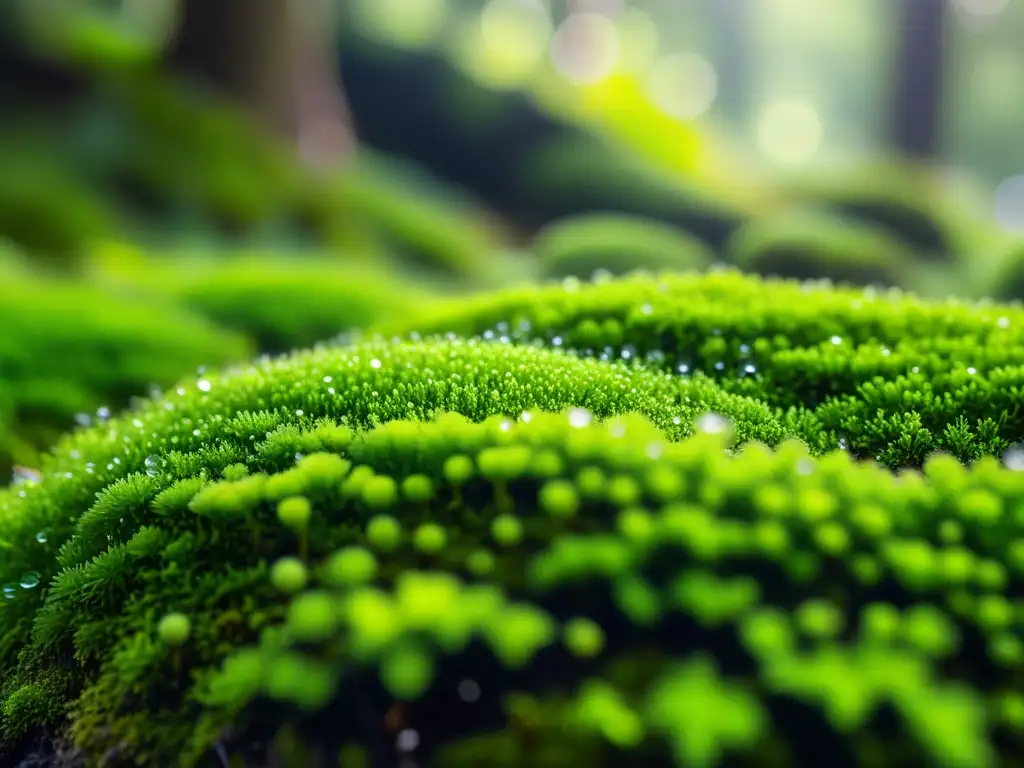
(731, 23)
(918, 79)
(275, 59)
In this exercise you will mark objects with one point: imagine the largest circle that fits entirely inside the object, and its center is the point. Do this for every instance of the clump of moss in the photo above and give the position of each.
(480, 552)
(885, 374)
(581, 245)
(812, 245)
(68, 348)
(280, 301)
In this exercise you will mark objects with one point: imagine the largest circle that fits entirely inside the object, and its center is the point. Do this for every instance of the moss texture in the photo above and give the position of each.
(484, 551)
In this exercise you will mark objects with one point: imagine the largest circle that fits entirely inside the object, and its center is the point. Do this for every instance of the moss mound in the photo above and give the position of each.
(281, 302)
(810, 245)
(886, 374)
(582, 245)
(68, 348)
(479, 552)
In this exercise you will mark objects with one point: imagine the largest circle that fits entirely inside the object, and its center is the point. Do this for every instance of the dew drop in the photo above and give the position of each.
(328, 379)
(557, 341)
(41, 537)
(683, 369)
(10, 591)
(646, 309)
(720, 365)
(29, 580)
(22, 475)
(526, 417)
(153, 465)
(713, 424)
(972, 370)
(469, 691)
(837, 340)
(408, 740)
(103, 413)
(750, 370)
(676, 420)
(196, 433)
(83, 419)
(299, 412)
(580, 417)
(1003, 322)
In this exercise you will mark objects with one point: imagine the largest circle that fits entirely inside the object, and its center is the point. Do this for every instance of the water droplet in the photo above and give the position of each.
(804, 467)
(41, 537)
(505, 426)
(153, 465)
(328, 379)
(29, 580)
(915, 369)
(201, 370)
(886, 351)
(23, 475)
(843, 443)
(407, 740)
(580, 417)
(837, 340)
(720, 365)
(83, 419)
(683, 369)
(298, 457)
(750, 370)
(526, 417)
(137, 423)
(571, 284)
(646, 309)
(1013, 458)
(469, 691)
(617, 429)
(972, 370)
(557, 341)
(676, 420)
(90, 468)
(628, 352)
(1003, 322)
(601, 275)
(713, 424)
(744, 350)
(103, 413)
(196, 433)
(10, 591)
(299, 412)
(204, 385)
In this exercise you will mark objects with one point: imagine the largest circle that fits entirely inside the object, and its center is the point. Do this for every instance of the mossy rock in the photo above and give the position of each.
(69, 348)
(488, 553)
(579, 246)
(892, 376)
(808, 244)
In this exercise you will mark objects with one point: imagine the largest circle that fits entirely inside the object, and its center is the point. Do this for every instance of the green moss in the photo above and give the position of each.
(621, 560)
(581, 245)
(885, 374)
(68, 348)
(808, 245)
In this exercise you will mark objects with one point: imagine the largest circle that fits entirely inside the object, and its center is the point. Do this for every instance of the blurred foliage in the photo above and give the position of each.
(68, 347)
(581, 245)
(813, 244)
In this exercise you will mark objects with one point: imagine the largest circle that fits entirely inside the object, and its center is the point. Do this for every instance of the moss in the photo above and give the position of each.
(581, 245)
(493, 550)
(70, 348)
(884, 374)
(808, 245)
(705, 573)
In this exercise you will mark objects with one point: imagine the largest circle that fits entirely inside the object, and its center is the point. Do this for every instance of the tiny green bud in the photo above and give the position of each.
(289, 575)
(559, 498)
(174, 629)
(384, 533)
(584, 638)
(480, 562)
(507, 530)
(379, 492)
(430, 538)
(418, 488)
(352, 565)
(294, 512)
(458, 469)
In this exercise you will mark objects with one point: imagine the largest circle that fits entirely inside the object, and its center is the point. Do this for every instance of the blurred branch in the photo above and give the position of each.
(274, 58)
(918, 79)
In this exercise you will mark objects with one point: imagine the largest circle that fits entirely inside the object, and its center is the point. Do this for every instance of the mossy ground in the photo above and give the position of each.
(491, 549)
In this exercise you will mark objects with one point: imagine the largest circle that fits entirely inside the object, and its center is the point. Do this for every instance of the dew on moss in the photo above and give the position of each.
(713, 424)
(83, 419)
(41, 537)
(29, 580)
(153, 464)
(580, 417)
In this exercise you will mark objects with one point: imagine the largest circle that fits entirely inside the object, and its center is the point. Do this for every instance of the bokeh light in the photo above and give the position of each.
(585, 48)
(981, 8)
(638, 40)
(403, 23)
(509, 41)
(683, 85)
(789, 131)
(1009, 203)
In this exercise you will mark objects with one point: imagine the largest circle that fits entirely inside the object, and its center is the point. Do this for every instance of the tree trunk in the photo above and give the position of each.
(274, 59)
(916, 109)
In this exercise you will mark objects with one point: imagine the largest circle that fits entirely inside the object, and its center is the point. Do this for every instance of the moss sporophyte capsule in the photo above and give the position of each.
(694, 555)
